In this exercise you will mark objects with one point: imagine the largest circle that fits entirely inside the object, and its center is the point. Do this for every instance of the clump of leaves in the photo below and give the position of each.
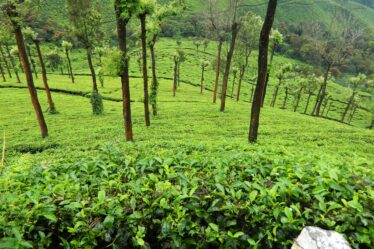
(97, 103)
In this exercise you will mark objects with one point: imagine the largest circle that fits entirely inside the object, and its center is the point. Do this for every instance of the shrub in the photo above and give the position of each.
(97, 103)
(183, 199)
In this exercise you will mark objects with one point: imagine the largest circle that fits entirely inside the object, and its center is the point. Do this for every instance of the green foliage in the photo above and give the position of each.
(218, 197)
(97, 103)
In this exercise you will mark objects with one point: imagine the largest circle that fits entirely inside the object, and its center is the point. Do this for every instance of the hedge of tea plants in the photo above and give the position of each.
(185, 197)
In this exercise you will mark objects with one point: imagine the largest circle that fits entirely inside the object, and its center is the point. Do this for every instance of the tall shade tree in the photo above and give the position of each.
(281, 74)
(262, 70)
(276, 39)
(12, 15)
(204, 65)
(217, 25)
(67, 46)
(355, 82)
(85, 18)
(145, 8)
(31, 35)
(311, 86)
(2, 71)
(235, 27)
(124, 9)
(5, 41)
(247, 40)
(3, 57)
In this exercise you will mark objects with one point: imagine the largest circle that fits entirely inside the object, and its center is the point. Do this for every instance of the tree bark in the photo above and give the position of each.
(70, 69)
(241, 76)
(328, 109)
(352, 114)
(154, 87)
(262, 70)
(2, 72)
(325, 105)
(122, 42)
(275, 94)
(44, 76)
(285, 99)
(323, 92)
(12, 63)
(235, 31)
(92, 69)
(251, 98)
(145, 73)
(218, 65)
(5, 61)
(348, 105)
(307, 103)
(175, 77)
(298, 99)
(29, 79)
(202, 79)
(32, 61)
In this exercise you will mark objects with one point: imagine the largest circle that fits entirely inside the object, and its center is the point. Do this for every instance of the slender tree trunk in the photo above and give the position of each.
(307, 103)
(233, 86)
(328, 109)
(145, 73)
(122, 42)
(202, 79)
(235, 31)
(241, 76)
(275, 94)
(30, 82)
(218, 65)
(325, 105)
(12, 63)
(285, 99)
(262, 70)
(352, 114)
(2, 72)
(20, 63)
(5, 61)
(175, 77)
(252, 91)
(323, 91)
(179, 74)
(268, 76)
(154, 87)
(92, 70)
(70, 68)
(44, 76)
(348, 105)
(298, 99)
(32, 61)
(318, 96)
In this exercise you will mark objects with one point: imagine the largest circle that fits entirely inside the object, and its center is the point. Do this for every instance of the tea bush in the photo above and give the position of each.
(184, 197)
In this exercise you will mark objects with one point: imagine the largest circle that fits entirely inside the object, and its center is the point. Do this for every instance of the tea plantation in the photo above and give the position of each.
(190, 180)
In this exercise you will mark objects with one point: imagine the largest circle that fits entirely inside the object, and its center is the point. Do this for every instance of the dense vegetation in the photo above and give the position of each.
(187, 178)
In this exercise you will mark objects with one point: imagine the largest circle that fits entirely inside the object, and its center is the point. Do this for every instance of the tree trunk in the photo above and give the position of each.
(30, 82)
(262, 70)
(92, 70)
(145, 73)
(202, 79)
(325, 105)
(235, 31)
(217, 71)
(323, 92)
(2, 72)
(12, 63)
(32, 61)
(20, 63)
(179, 74)
(275, 95)
(122, 42)
(233, 86)
(348, 105)
(268, 75)
(352, 114)
(44, 75)
(70, 69)
(175, 77)
(298, 99)
(372, 123)
(285, 99)
(251, 98)
(241, 76)
(154, 87)
(5, 61)
(307, 103)
(328, 109)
